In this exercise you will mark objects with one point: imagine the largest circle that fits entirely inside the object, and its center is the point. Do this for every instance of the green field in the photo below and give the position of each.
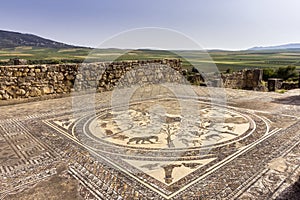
(234, 60)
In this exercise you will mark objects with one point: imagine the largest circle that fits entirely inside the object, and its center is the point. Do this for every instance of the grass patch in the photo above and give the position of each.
(281, 91)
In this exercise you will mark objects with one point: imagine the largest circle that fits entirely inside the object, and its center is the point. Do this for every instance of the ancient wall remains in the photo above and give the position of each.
(23, 81)
(245, 79)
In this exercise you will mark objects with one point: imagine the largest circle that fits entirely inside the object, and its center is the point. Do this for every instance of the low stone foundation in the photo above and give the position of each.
(289, 86)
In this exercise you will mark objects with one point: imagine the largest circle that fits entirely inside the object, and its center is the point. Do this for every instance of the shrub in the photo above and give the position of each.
(269, 73)
(286, 72)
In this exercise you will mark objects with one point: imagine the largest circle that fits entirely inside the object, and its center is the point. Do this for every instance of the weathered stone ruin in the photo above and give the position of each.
(244, 79)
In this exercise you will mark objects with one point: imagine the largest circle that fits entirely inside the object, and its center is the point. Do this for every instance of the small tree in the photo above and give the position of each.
(269, 73)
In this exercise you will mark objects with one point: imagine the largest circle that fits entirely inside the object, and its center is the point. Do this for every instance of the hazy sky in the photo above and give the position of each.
(225, 24)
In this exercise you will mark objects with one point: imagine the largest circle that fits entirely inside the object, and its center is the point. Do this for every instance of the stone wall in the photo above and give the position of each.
(23, 81)
(244, 79)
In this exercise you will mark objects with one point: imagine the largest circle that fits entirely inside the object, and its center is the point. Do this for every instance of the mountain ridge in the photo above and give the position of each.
(289, 46)
(12, 39)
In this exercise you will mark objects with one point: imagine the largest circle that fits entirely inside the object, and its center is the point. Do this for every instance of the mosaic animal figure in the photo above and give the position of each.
(108, 132)
(102, 125)
(199, 133)
(230, 133)
(188, 142)
(230, 128)
(184, 141)
(120, 137)
(191, 165)
(195, 142)
(142, 140)
(150, 166)
(213, 137)
(172, 119)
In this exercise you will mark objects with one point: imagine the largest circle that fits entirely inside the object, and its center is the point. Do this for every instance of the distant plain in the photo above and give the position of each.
(234, 60)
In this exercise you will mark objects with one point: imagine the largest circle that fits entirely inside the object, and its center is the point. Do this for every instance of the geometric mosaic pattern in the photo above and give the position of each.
(245, 155)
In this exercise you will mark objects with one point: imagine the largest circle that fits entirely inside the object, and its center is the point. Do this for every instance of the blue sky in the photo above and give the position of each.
(225, 24)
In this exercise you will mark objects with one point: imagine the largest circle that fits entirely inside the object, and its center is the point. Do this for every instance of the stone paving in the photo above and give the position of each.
(90, 147)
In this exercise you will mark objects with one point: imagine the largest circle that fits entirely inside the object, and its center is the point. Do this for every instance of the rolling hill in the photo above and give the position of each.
(9, 39)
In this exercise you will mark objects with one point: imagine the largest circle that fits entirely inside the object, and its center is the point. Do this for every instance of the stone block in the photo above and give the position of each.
(20, 92)
(274, 84)
(35, 92)
(48, 90)
(5, 96)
